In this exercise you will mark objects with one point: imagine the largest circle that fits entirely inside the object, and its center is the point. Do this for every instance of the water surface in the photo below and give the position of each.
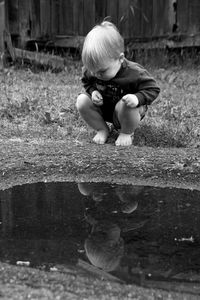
(136, 233)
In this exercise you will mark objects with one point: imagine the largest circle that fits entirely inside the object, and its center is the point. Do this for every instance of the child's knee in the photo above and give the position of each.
(124, 111)
(85, 189)
(82, 102)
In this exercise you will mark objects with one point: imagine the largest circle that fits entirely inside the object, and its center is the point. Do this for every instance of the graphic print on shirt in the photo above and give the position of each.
(110, 90)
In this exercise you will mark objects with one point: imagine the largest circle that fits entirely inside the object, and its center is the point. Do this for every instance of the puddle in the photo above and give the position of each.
(146, 235)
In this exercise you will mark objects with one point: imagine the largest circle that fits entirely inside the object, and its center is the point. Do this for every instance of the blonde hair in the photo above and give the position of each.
(105, 254)
(102, 42)
(105, 248)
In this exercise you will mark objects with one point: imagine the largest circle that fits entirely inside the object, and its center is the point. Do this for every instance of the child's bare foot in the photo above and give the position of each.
(101, 137)
(124, 140)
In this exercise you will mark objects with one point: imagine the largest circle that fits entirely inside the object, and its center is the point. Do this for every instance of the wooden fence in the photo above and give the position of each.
(2, 28)
(47, 18)
(138, 20)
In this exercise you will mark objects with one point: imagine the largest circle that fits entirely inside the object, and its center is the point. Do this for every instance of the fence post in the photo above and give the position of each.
(2, 28)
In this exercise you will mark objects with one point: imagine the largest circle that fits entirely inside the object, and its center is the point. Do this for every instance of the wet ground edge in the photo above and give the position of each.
(28, 162)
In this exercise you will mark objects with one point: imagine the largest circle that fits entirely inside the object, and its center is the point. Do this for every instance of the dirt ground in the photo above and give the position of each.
(28, 161)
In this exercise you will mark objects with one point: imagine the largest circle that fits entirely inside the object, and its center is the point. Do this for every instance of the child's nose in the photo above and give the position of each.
(98, 75)
(95, 74)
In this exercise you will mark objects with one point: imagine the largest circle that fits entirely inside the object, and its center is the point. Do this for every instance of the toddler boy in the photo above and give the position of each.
(116, 90)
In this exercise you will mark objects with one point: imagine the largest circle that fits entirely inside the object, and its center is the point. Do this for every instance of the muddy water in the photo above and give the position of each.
(135, 233)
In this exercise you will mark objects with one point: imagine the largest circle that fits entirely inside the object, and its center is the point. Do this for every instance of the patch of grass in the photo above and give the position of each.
(166, 57)
(37, 104)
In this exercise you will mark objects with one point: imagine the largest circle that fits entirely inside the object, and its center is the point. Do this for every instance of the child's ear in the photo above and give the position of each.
(121, 57)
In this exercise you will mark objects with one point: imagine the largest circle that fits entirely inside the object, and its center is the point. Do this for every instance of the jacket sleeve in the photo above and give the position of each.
(88, 81)
(147, 88)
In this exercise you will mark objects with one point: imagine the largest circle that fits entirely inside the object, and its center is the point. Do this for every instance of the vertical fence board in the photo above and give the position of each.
(76, 16)
(24, 24)
(146, 18)
(160, 15)
(55, 17)
(66, 17)
(182, 15)
(112, 10)
(135, 19)
(168, 17)
(81, 17)
(13, 16)
(2, 28)
(45, 18)
(6, 14)
(194, 16)
(155, 24)
(171, 17)
(100, 10)
(89, 15)
(123, 17)
(34, 19)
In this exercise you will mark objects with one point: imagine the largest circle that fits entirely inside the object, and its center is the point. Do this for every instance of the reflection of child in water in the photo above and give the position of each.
(126, 195)
(105, 247)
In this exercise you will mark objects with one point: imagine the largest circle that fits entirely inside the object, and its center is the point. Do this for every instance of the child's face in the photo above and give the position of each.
(108, 69)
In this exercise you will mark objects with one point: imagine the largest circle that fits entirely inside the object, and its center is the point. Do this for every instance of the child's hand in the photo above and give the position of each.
(97, 99)
(130, 100)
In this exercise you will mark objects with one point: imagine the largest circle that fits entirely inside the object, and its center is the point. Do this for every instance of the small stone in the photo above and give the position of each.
(23, 263)
(53, 269)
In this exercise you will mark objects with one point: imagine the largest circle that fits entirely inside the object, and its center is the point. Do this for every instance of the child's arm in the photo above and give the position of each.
(89, 85)
(144, 87)
(147, 88)
(88, 81)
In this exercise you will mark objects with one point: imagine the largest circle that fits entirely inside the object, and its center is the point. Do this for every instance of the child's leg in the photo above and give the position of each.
(91, 114)
(129, 119)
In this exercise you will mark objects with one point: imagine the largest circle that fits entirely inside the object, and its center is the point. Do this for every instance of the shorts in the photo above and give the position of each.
(109, 114)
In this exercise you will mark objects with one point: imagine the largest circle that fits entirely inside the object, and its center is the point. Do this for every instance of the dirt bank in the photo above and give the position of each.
(32, 161)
